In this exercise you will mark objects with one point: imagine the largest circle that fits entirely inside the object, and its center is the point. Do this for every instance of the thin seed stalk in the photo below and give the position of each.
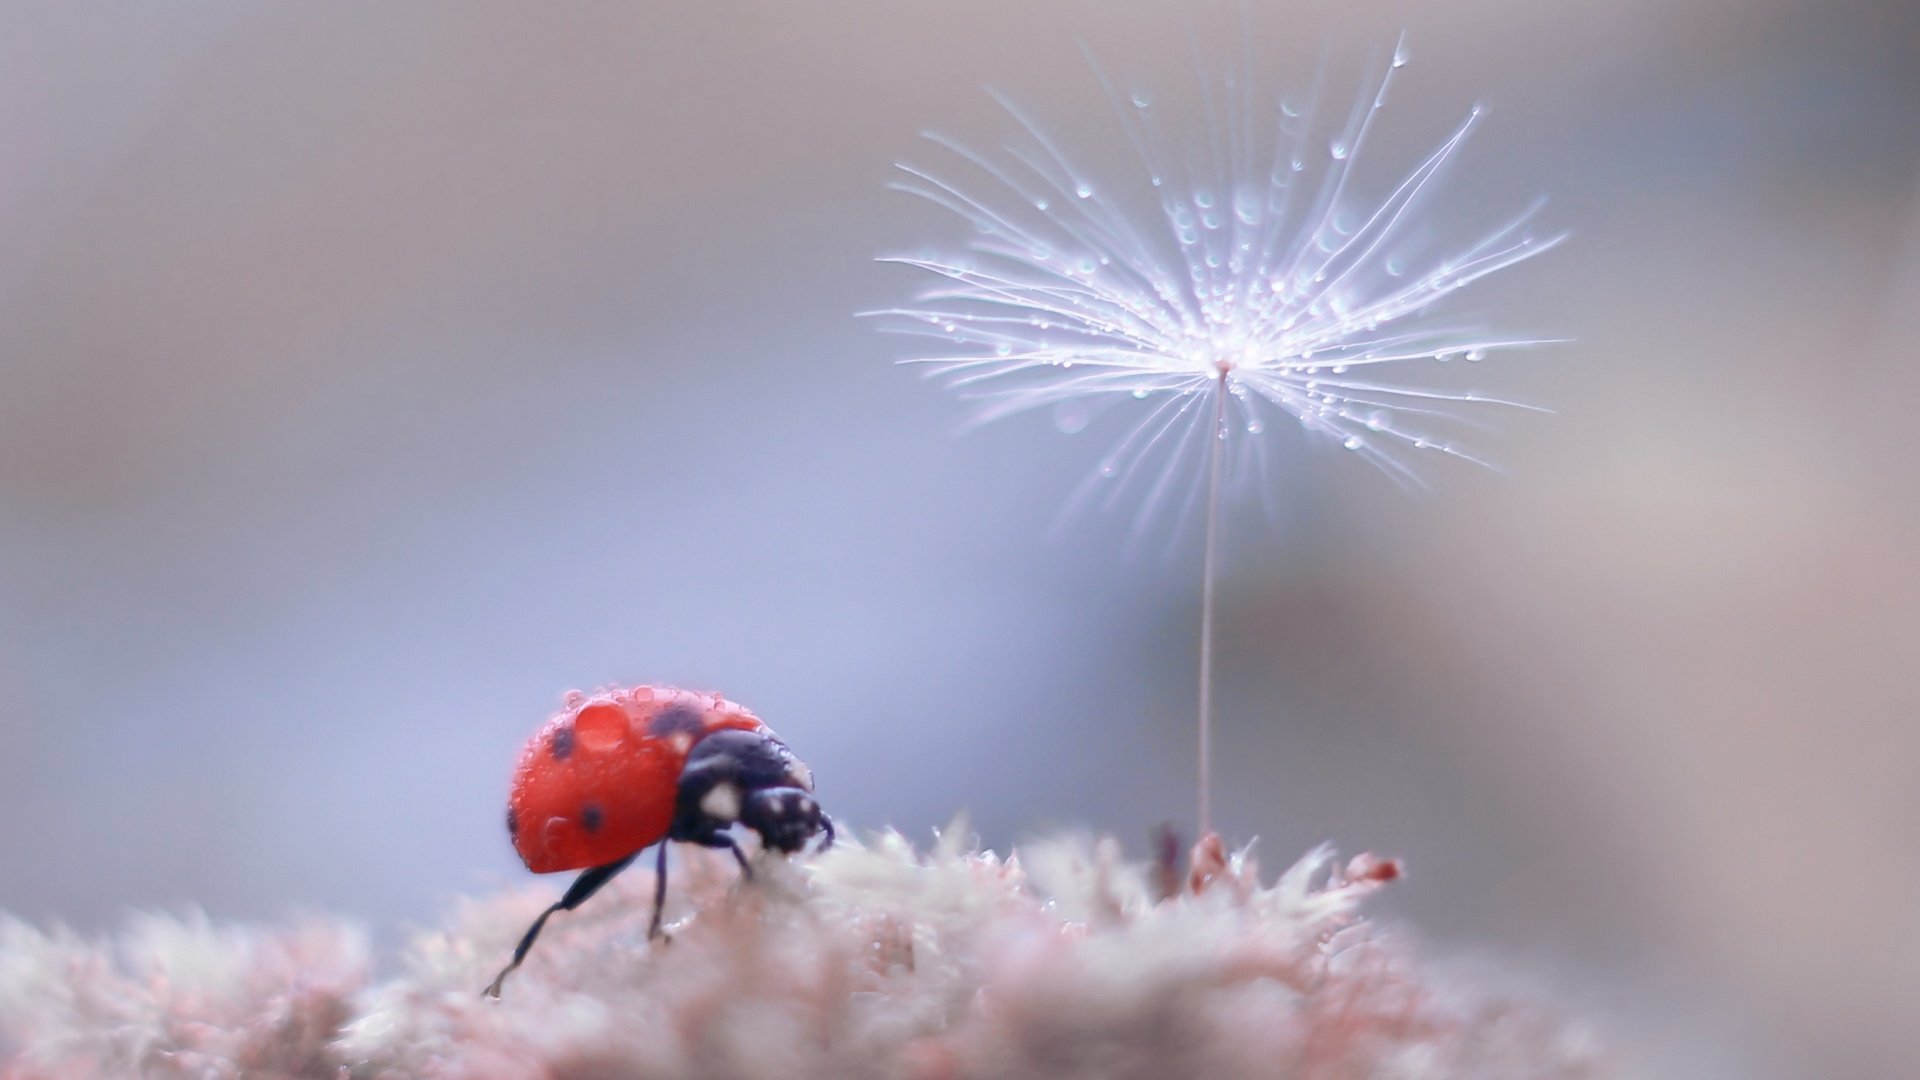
(1207, 575)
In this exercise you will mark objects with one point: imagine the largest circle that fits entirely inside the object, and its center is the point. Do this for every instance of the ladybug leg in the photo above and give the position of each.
(710, 839)
(659, 891)
(713, 836)
(727, 841)
(585, 885)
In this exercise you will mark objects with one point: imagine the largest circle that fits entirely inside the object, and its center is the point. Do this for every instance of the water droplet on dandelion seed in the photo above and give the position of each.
(1476, 355)
(1378, 420)
(1353, 442)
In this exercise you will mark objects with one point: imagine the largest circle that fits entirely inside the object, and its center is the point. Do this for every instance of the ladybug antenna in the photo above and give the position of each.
(585, 885)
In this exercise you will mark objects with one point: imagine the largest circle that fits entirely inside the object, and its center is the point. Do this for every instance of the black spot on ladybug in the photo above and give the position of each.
(563, 744)
(590, 818)
(513, 822)
(676, 720)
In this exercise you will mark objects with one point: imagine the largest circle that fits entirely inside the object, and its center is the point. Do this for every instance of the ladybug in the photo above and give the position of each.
(625, 769)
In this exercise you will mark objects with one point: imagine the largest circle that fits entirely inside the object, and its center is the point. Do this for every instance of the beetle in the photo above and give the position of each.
(624, 769)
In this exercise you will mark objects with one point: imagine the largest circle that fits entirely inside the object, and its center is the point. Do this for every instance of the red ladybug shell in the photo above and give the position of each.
(598, 782)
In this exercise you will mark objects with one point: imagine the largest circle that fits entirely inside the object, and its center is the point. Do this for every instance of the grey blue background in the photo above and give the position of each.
(371, 373)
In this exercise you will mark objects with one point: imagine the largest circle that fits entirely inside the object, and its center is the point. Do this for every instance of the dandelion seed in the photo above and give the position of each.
(1243, 288)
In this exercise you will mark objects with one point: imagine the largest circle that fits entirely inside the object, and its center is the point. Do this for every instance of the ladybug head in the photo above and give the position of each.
(749, 777)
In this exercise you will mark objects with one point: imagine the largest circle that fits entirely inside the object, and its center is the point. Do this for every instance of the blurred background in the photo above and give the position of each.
(374, 373)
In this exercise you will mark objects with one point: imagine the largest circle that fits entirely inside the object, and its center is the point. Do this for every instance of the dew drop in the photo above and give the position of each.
(1476, 355)
(1139, 393)
(1040, 204)
(1085, 191)
(1400, 56)
(1003, 350)
(1353, 442)
(1378, 419)
(1255, 427)
(1339, 150)
(1445, 356)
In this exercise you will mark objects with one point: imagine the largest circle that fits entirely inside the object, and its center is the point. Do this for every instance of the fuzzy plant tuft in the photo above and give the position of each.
(875, 960)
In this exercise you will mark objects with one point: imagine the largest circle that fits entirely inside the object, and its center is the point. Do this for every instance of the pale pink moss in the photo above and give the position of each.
(177, 996)
(874, 961)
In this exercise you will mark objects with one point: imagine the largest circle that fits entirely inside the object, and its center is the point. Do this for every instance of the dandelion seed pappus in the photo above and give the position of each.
(1225, 277)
